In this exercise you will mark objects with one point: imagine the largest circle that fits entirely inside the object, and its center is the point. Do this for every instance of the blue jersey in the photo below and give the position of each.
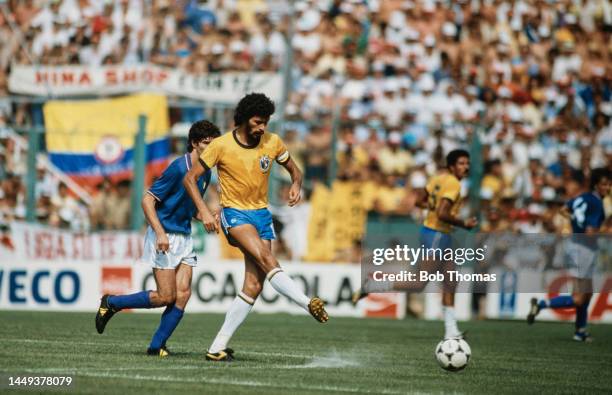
(175, 209)
(587, 211)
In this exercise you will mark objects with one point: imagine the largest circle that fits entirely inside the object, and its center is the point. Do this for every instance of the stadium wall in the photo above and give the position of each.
(77, 286)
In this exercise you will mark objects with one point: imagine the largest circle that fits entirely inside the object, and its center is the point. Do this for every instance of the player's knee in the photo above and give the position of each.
(182, 296)
(252, 289)
(266, 260)
(167, 298)
(581, 299)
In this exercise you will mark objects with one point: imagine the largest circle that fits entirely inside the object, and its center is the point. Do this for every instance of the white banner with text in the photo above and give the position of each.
(74, 81)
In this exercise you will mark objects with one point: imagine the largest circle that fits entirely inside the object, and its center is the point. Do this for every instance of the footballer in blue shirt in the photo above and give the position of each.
(586, 211)
(168, 246)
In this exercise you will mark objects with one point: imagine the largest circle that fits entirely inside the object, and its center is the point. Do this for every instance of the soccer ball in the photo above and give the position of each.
(453, 354)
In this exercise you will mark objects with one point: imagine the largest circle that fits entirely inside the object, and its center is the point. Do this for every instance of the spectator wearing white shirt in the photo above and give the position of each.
(307, 39)
(321, 92)
(44, 17)
(411, 47)
(473, 106)
(354, 89)
(431, 60)
(45, 183)
(109, 40)
(65, 207)
(397, 29)
(423, 102)
(43, 40)
(567, 62)
(390, 105)
(91, 55)
(267, 41)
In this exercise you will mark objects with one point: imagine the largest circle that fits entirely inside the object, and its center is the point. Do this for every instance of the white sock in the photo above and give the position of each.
(284, 285)
(237, 313)
(450, 323)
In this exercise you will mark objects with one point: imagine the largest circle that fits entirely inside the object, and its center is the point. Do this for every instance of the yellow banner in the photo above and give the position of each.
(337, 220)
(320, 236)
(78, 126)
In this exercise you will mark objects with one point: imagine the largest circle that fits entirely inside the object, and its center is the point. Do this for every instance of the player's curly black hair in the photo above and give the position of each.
(199, 131)
(454, 155)
(253, 105)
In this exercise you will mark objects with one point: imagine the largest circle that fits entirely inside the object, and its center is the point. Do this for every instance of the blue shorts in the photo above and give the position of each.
(435, 239)
(261, 219)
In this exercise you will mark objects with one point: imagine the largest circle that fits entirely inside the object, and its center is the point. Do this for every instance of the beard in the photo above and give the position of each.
(254, 136)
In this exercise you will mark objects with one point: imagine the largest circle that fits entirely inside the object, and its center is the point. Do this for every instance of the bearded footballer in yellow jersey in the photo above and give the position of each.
(244, 159)
(442, 198)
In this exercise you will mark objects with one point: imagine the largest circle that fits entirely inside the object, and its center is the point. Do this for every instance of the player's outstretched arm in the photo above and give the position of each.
(295, 192)
(190, 182)
(444, 214)
(148, 207)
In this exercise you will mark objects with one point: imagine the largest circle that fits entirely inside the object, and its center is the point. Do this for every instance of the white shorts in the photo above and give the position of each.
(180, 250)
(581, 260)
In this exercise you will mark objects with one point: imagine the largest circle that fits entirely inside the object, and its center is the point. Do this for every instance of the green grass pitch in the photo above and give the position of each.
(283, 354)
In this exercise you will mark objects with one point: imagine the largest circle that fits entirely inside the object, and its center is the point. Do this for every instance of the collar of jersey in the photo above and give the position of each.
(244, 145)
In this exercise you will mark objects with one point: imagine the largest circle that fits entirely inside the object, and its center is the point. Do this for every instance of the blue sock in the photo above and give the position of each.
(558, 302)
(169, 321)
(139, 300)
(582, 315)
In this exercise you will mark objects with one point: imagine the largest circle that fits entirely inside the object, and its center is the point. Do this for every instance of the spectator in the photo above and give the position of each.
(392, 159)
(119, 216)
(103, 204)
(318, 144)
(45, 183)
(64, 208)
(492, 185)
(389, 195)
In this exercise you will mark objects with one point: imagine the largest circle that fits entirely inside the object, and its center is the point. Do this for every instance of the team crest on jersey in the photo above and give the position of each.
(264, 163)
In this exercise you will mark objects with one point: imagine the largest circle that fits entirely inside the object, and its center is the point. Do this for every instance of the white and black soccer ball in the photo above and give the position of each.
(453, 354)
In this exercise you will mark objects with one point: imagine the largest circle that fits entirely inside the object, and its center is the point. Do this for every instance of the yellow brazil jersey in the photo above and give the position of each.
(244, 171)
(442, 186)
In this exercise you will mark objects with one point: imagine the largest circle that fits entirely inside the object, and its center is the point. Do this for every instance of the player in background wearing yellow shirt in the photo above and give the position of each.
(442, 198)
(244, 160)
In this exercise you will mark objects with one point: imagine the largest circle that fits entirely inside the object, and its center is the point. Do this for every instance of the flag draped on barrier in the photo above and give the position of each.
(92, 139)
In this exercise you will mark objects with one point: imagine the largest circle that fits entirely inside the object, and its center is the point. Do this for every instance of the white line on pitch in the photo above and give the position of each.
(135, 343)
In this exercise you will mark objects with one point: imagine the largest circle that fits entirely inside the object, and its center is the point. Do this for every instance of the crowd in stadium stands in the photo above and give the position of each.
(411, 80)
